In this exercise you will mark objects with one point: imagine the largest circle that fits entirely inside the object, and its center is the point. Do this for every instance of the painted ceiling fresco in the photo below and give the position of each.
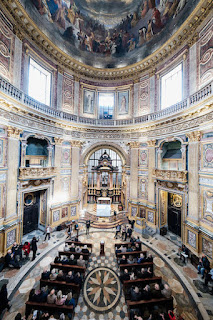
(115, 32)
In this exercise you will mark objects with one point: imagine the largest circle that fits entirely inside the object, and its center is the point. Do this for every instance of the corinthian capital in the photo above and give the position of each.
(134, 144)
(194, 136)
(151, 143)
(77, 143)
(13, 132)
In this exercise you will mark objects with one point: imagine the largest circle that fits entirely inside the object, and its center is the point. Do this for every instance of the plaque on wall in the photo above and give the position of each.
(56, 215)
(11, 237)
(73, 211)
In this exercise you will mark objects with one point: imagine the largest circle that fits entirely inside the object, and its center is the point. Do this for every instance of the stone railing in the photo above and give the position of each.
(22, 97)
(36, 172)
(170, 175)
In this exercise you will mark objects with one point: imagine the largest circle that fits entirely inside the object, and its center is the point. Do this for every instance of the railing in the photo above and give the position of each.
(170, 175)
(21, 97)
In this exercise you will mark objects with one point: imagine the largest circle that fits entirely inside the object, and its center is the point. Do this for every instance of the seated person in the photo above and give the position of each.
(149, 258)
(72, 247)
(131, 260)
(16, 250)
(78, 279)
(11, 261)
(149, 272)
(129, 248)
(60, 299)
(117, 250)
(26, 249)
(123, 249)
(53, 274)
(132, 239)
(32, 295)
(122, 260)
(65, 260)
(60, 276)
(72, 260)
(135, 294)
(166, 291)
(57, 260)
(156, 292)
(137, 246)
(51, 297)
(142, 274)
(70, 301)
(133, 276)
(2, 263)
(142, 258)
(45, 275)
(146, 293)
(204, 265)
(185, 251)
(78, 249)
(125, 276)
(85, 249)
(81, 262)
(70, 277)
(66, 248)
(41, 295)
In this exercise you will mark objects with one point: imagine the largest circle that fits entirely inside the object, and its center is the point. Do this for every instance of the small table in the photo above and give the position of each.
(102, 253)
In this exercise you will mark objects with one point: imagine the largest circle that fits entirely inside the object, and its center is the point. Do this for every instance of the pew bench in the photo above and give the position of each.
(141, 282)
(67, 267)
(60, 284)
(80, 244)
(133, 253)
(43, 306)
(76, 255)
(136, 265)
(144, 303)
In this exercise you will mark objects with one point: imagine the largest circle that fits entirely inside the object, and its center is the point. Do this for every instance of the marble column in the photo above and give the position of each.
(134, 146)
(76, 147)
(193, 176)
(57, 165)
(12, 173)
(151, 166)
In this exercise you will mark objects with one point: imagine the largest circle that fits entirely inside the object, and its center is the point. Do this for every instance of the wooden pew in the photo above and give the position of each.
(76, 255)
(136, 265)
(144, 303)
(133, 253)
(51, 308)
(60, 284)
(67, 267)
(80, 244)
(141, 282)
(126, 244)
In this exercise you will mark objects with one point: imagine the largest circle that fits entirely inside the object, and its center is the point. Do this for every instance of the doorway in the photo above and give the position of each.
(31, 212)
(174, 213)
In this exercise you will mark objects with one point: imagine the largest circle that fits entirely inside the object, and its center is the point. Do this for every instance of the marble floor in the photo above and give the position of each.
(166, 264)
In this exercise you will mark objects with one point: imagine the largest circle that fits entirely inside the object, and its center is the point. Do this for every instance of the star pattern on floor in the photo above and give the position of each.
(102, 289)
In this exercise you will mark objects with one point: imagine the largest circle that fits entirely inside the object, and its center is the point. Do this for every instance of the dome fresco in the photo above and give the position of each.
(109, 33)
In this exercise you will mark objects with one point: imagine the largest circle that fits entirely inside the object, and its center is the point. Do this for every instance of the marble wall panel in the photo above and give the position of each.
(68, 93)
(143, 188)
(191, 238)
(144, 96)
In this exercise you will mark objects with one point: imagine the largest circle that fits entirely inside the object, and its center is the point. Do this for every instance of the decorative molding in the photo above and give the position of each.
(170, 175)
(186, 33)
(36, 173)
(134, 144)
(76, 143)
(14, 132)
(194, 136)
(58, 140)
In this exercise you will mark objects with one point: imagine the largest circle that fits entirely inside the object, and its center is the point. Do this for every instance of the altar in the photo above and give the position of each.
(103, 207)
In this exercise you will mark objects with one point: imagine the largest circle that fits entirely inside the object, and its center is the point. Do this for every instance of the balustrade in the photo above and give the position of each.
(20, 96)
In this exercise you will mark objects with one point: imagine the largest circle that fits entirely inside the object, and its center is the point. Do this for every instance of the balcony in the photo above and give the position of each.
(170, 175)
(34, 173)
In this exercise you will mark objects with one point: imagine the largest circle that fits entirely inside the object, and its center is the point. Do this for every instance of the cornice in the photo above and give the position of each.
(186, 34)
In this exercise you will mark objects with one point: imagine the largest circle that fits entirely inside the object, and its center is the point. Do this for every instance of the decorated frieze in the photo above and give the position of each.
(170, 175)
(38, 173)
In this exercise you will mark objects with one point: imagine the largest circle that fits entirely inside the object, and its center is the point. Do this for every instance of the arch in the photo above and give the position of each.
(37, 136)
(99, 145)
(160, 145)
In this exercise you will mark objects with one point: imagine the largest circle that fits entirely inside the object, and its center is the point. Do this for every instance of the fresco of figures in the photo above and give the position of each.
(88, 34)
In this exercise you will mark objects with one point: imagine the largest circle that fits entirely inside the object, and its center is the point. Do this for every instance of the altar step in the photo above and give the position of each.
(104, 223)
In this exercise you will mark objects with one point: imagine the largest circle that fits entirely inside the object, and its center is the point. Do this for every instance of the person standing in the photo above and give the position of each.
(69, 231)
(77, 229)
(34, 247)
(3, 298)
(118, 230)
(87, 226)
(47, 232)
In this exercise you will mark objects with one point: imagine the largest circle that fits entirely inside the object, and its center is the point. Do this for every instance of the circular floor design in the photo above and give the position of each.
(102, 289)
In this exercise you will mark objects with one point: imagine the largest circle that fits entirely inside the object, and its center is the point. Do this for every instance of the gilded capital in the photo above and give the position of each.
(77, 143)
(151, 143)
(194, 136)
(134, 144)
(13, 132)
(58, 140)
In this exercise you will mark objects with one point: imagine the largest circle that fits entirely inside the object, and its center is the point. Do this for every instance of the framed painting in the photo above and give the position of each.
(123, 102)
(64, 212)
(88, 101)
(73, 211)
(56, 215)
(11, 237)
(191, 237)
(134, 211)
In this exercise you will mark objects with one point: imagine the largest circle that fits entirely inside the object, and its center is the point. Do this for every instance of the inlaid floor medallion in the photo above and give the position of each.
(102, 289)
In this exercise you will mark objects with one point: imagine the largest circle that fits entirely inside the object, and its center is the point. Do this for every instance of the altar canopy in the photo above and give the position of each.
(104, 207)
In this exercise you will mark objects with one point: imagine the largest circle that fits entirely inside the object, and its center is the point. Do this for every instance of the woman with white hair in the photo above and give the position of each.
(60, 299)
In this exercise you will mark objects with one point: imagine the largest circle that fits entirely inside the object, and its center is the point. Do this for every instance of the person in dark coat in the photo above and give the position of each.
(87, 226)
(10, 260)
(34, 247)
(3, 298)
(45, 275)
